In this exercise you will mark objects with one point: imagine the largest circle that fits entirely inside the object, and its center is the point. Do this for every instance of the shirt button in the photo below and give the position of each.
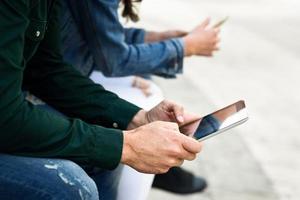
(37, 34)
(115, 125)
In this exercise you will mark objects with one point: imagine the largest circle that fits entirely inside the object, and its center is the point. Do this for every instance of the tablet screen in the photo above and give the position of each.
(221, 119)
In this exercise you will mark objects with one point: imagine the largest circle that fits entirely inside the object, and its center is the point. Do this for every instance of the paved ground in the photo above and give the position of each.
(259, 63)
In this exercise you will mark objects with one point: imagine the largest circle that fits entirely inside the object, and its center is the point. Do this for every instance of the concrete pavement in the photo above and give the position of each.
(226, 162)
(258, 62)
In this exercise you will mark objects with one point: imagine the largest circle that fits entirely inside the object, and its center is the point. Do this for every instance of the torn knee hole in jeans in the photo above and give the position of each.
(83, 191)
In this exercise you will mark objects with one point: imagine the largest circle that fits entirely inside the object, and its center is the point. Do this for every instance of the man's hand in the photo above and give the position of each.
(202, 41)
(158, 146)
(164, 111)
(152, 36)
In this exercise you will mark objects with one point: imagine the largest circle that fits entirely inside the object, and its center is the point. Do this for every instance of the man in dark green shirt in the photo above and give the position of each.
(30, 60)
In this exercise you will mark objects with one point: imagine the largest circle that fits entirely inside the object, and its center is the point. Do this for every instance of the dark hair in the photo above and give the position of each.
(129, 10)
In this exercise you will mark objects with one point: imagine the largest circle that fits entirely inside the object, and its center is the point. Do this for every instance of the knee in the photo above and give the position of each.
(72, 182)
(36, 178)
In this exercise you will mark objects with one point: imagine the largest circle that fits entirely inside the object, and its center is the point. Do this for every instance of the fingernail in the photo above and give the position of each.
(180, 119)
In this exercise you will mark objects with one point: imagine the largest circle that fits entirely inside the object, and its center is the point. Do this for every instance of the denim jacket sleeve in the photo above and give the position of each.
(106, 38)
(134, 35)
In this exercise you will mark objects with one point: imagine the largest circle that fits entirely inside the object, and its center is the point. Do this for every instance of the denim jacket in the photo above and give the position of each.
(93, 38)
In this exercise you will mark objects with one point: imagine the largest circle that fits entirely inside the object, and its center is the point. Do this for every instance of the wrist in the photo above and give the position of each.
(127, 149)
(138, 120)
(188, 51)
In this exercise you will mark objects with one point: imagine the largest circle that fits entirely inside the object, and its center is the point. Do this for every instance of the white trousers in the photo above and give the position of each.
(133, 185)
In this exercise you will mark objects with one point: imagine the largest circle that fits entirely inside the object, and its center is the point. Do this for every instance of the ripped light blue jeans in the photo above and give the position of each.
(41, 178)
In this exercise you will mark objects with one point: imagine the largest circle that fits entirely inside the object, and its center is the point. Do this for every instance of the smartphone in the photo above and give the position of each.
(221, 22)
(220, 121)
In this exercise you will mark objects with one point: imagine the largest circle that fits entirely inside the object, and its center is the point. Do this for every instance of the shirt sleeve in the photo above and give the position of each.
(106, 39)
(30, 131)
(134, 35)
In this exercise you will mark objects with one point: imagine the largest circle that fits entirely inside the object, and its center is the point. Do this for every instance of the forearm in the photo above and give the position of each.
(152, 36)
(160, 58)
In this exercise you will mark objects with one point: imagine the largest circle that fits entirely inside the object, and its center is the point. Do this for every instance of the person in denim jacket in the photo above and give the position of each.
(95, 40)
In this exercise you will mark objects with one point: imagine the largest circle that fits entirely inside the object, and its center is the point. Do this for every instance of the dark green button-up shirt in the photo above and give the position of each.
(30, 59)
